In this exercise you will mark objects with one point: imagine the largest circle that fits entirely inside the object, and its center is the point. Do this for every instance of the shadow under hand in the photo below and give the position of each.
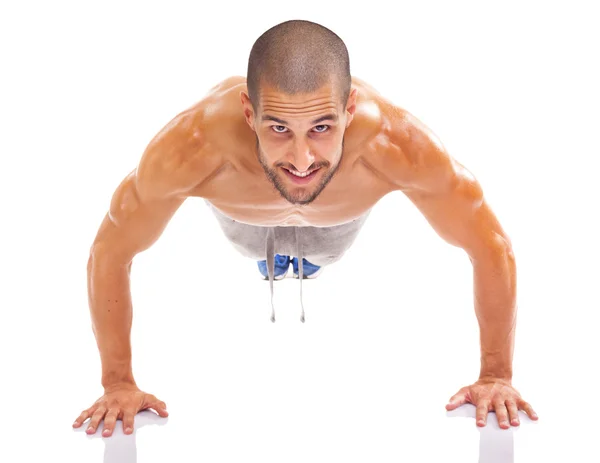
(120, 447)
(496, 445)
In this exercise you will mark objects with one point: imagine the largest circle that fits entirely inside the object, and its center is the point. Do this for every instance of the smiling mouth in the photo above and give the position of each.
(301, 177)
(300, 174)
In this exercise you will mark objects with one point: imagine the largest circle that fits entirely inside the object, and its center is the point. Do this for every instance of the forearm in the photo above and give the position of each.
(109, 297)
(495, 306)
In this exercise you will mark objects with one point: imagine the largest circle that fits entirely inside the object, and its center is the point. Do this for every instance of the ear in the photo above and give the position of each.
(351, 105)
(248, 109)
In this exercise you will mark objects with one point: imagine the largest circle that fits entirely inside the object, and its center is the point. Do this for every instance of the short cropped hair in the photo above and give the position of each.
(298, 56)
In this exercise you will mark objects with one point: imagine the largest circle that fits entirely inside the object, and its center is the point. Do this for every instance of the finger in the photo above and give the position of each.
(128, 418)
(513, 412)
(96, 418)
(458, 399)
(528, 409)
(155, 404)
(110, 421)
(501, 414)
(84, 416)
(482, 411)
(161, 408)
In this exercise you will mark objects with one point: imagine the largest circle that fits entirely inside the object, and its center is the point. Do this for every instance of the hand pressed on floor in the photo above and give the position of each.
(119, 402)
(493, 394)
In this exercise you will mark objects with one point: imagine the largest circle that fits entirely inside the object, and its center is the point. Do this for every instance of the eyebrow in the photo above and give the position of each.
(326, 117)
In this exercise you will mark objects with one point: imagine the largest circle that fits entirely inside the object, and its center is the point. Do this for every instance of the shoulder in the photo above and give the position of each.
(408, 153)
(424, 152)
(178, 158)
(196, 144)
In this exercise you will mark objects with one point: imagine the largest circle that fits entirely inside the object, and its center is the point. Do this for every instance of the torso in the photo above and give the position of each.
(240, 189)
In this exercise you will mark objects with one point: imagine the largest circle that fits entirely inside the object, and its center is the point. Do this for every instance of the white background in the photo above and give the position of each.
(510, 88)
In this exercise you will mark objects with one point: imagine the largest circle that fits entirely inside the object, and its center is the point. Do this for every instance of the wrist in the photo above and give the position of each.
(120, 385)
(113, 378)
(496, 373)
(496, 365)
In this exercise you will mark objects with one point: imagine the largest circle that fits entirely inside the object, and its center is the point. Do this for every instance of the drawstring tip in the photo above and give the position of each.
(273, 319)
(302, 318)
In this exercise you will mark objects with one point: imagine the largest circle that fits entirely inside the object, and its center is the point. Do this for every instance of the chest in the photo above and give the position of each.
(251, 198)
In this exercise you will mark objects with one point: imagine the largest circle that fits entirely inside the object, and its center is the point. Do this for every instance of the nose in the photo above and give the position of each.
(302, 156)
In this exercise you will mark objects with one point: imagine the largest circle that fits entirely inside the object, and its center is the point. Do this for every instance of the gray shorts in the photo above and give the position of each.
(319, 245)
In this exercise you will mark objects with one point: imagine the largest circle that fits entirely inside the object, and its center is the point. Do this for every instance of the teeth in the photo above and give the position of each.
(298, 174)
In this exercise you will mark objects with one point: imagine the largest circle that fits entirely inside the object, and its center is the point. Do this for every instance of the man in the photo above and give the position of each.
(330, 147)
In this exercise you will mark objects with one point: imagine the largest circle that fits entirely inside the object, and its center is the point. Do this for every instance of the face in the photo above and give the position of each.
(300, 138)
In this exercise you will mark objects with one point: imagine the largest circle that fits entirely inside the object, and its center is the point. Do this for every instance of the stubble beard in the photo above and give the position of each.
(300, 196)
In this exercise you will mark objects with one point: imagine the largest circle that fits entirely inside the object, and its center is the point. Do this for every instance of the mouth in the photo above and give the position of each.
(301, 178)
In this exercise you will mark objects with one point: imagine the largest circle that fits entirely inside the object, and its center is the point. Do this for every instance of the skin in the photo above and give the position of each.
(222, 150)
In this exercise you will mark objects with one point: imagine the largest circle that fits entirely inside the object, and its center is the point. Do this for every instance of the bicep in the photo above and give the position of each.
(461, 215)
(134, 222)
(448, 194)
(451, 212)
(145, 201)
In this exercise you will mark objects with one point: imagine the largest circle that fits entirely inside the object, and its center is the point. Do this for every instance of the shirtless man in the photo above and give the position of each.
(331, 147)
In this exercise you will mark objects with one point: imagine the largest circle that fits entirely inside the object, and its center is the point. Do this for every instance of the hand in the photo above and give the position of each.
(493, 394)
(122, 401)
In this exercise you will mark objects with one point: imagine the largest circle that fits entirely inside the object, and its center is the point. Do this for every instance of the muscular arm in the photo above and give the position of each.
(452, 201)
(131, 226)
(140, 209)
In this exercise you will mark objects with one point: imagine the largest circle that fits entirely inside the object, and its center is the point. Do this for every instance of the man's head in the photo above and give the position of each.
(299, 104)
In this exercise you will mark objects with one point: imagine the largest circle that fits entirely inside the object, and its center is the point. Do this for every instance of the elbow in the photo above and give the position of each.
(501, 244)
(497, 246)
(98, 252)
(96, 256)
(103, 254)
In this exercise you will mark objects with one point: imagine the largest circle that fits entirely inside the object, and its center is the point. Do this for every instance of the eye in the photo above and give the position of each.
(323, 127)
(277, 127)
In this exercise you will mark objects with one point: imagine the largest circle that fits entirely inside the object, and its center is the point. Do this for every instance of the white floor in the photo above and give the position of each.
(390, 332)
